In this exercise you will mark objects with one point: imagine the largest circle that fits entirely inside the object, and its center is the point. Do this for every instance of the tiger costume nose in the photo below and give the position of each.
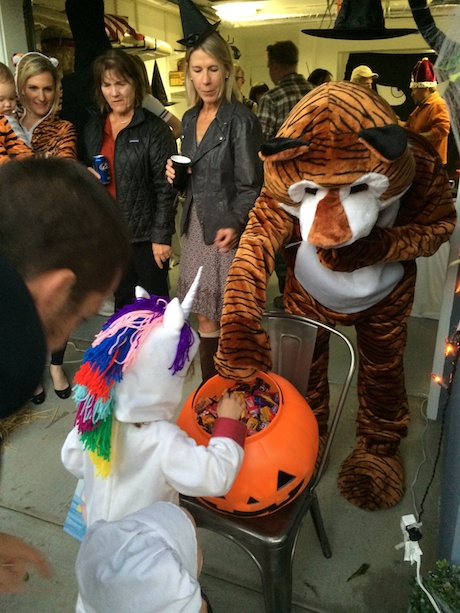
(330, 226)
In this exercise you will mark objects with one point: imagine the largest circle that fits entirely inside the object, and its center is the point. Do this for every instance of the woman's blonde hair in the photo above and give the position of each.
(215, 46)
(31, 65)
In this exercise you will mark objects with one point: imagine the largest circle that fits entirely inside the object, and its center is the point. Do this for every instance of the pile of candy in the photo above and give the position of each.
(261, 407)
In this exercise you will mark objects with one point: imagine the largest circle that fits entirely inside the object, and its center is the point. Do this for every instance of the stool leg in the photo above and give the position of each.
(319, 527)
(275, 565)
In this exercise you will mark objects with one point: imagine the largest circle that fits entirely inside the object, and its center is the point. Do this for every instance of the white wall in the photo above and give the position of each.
(12, 30)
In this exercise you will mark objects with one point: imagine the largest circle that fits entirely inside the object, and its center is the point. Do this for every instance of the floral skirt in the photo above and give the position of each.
(195, 253)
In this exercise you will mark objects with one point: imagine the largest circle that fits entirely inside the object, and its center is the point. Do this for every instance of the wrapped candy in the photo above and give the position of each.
(261, 407)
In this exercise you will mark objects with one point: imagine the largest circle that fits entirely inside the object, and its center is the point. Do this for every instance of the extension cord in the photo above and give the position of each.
(410, 529)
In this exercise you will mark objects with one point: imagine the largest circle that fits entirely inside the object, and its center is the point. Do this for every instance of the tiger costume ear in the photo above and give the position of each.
(388, 143)
(278, 149)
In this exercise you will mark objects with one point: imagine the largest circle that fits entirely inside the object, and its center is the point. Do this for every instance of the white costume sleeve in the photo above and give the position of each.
(196, 470)
(72, 454)
(153, 105)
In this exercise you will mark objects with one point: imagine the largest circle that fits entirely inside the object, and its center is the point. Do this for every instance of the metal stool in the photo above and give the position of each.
(270, 540)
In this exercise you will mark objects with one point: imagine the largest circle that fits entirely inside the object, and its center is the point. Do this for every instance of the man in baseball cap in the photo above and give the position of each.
(363, 75)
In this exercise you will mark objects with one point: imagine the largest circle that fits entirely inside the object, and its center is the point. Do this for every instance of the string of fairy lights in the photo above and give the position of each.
(452, 352)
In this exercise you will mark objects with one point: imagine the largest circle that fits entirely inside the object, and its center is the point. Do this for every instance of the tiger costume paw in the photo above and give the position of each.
(372, 482)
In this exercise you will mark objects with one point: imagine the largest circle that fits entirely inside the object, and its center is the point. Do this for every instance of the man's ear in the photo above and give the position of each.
(51, 290)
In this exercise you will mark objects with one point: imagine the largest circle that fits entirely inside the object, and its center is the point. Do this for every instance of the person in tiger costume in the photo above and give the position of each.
(352, 199)
(39, 92)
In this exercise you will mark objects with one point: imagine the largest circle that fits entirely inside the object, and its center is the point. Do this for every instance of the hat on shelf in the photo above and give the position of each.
(158, 89)
(361, 20)
(423, 74)
(194, 25)
(362, 72)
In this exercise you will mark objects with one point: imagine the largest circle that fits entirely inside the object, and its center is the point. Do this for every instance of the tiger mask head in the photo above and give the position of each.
(339, 162)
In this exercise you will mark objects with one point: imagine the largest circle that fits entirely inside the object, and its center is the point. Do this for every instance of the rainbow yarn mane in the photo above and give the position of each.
(112, 352)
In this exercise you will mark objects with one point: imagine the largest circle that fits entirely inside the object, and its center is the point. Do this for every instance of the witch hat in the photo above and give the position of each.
(361, 20)
(195, 26)
(158, 89)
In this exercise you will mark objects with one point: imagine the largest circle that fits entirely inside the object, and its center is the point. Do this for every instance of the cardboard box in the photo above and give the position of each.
(176, 78)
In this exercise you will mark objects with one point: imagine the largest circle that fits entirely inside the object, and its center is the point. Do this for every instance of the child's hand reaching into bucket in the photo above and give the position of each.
(231, 405)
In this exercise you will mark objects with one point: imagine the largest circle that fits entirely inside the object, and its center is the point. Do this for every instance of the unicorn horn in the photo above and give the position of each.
(140, 292)
(189, 298)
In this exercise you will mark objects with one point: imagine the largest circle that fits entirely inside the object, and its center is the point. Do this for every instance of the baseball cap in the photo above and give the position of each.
(362, 71)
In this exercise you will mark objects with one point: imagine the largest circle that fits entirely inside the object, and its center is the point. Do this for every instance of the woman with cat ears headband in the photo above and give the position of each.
(38, 86)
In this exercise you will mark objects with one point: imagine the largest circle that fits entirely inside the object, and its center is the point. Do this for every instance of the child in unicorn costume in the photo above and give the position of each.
(124, 443)
(147, 562)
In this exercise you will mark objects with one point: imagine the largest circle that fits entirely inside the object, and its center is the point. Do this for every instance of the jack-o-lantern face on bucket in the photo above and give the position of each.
(278, 461)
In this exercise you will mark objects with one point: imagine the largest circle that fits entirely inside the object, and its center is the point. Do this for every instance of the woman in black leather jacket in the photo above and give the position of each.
(222, 137)
(137, 145)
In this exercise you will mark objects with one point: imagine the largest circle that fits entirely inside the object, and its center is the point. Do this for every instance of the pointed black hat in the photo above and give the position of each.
(360, 20)
(158, 89)
(195, 26)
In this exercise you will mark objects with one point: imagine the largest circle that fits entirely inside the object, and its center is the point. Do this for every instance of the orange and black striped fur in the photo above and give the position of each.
(337, 152)
(11, 146)
(56, 137)
(53, 136)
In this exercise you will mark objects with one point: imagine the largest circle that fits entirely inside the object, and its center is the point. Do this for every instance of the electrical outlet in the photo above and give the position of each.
(410, 529)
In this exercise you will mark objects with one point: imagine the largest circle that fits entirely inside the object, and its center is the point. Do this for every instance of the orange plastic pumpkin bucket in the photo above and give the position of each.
(278, 461)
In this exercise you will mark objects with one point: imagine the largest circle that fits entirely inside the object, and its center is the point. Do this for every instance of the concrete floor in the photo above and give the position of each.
(36, 491)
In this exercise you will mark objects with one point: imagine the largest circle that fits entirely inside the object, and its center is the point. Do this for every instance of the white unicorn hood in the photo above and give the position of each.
(135, 369)
(149, 390)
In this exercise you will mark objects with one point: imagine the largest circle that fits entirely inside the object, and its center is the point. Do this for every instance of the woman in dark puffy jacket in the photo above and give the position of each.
(136, 145)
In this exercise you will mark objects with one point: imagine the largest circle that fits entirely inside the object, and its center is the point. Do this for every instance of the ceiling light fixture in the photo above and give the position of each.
(235, 11)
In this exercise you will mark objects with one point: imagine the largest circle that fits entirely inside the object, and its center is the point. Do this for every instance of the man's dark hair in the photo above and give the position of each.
(55, 214)
(319, 76)
(258, 90)
(283, 52)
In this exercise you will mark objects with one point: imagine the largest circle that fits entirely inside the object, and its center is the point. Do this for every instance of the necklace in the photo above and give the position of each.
(122, 121)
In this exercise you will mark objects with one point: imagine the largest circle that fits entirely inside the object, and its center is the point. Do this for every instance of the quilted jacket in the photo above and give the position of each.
(141, 151)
